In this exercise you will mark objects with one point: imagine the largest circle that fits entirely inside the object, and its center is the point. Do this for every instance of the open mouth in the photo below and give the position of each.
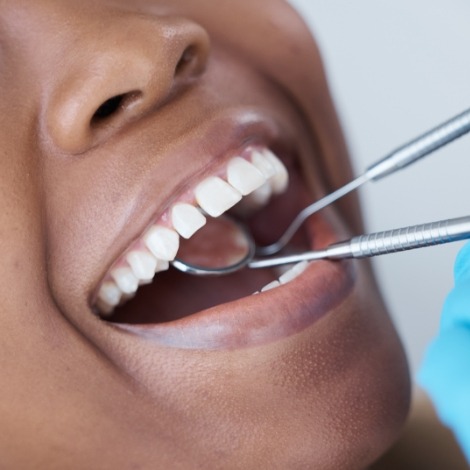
(143, 292)
(243, 187)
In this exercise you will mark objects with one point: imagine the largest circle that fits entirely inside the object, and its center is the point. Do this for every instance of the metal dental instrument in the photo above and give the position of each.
(381, 243)
(363, 246)
(396, 160)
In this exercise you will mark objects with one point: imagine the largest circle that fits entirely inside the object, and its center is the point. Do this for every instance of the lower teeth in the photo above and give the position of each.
(287, 276)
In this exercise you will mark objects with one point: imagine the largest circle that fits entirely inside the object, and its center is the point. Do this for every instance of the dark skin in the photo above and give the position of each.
(77, 189)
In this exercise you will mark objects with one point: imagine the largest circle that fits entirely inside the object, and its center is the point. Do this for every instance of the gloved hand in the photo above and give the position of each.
(445, 374)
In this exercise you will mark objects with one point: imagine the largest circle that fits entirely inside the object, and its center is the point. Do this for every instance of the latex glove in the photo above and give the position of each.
(445, 373)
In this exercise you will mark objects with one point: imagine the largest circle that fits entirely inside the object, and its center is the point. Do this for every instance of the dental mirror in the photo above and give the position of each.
(222, 246)
(207, 262)
(225, 246)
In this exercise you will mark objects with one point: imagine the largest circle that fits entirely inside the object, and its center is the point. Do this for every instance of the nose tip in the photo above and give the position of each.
(132, 72)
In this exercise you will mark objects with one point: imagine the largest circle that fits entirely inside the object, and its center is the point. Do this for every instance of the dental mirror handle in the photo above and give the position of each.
(381, 243)
(421, 146)
(394, 161)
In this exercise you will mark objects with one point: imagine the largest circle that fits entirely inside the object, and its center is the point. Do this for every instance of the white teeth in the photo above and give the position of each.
(104, 308)
(125, 279)
(296, 271)
(259, 197)
(280, 180)
(270, 286)
(263, 164)
(252, 181)
(162, 242)
(162, 265)
(186, 219)
(215, 196)
(288, 276)
(244, 176)
(110, 294)
(143, 265)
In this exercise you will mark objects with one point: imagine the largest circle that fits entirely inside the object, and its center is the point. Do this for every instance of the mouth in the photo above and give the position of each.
(264, 186)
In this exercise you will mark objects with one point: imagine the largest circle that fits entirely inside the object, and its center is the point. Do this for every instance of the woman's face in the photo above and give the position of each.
(113, 113)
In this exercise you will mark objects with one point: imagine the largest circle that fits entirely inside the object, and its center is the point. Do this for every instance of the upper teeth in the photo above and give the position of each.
(257, 176)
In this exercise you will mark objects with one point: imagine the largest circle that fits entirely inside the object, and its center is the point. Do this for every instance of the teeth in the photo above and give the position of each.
(104, 307)
(251, 181)
(109, 294)
(296, 271)
(264, 165)
(143, 265)
(162, 242)
(287, 277)
(270, 286)
(244, 176)
(125, 280)
(280, 180)
(162, 266)
(186, 219)
(215, 196)
(260, 197)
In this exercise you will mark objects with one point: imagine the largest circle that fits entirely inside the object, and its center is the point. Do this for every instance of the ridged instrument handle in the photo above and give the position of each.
(402, 239)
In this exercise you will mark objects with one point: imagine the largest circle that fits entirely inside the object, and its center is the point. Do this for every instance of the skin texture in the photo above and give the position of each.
(76, 393)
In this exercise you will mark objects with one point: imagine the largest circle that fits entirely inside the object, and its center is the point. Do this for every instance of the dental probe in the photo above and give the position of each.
(396, 160)
(381, 243)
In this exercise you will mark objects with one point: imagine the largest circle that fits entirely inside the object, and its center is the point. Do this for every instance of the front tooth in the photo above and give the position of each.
(296, 271)
(244, 176)
(280, 180)
(162, 242)
(125, 280)
(215, 196)
(186, 219)
(110, 294)
(143, 264)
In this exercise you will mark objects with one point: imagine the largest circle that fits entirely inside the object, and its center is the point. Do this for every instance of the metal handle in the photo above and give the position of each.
(402, 239)
(420, 147)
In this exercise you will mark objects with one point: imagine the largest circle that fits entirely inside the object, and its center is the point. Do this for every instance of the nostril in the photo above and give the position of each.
(113, 106)
(188, 61)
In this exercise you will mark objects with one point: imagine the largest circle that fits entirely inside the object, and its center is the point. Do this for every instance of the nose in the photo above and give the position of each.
(120, 74)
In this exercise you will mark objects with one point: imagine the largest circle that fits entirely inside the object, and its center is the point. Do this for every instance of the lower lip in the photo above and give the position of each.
(259, 319)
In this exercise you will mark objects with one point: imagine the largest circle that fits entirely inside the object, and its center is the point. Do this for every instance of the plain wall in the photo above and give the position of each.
(398, 68)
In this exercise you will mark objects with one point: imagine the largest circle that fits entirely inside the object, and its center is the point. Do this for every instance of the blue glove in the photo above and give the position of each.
(445, 374)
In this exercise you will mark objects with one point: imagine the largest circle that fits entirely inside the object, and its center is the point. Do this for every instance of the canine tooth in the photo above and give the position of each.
(244, 176)
(294, 272)
(270, 286)
(263, 164)
(215, 196)
(143, 264)
(162, 242)
(109, 294)
(280, 180)
(125, 280)
(186, 219)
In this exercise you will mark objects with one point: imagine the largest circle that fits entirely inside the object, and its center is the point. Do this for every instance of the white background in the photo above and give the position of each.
(397, 68)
